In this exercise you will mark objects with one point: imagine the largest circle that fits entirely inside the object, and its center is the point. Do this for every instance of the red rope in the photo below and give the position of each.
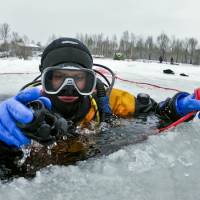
(105, 72)
(149, 84)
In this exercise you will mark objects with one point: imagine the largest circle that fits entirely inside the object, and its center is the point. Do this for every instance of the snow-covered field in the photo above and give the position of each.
(163, 167)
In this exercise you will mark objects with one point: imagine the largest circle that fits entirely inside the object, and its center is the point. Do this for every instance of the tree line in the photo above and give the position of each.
(130, 45)
(137, 47)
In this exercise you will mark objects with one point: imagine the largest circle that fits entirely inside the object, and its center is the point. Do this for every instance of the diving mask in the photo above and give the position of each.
(55, 78)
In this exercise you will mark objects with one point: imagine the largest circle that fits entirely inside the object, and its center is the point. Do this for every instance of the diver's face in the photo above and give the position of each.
(79, 78)
(68, 82)
(59, 76)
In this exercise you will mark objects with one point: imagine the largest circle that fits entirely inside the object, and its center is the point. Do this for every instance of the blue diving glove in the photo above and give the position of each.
(186, 103)
(14, 110)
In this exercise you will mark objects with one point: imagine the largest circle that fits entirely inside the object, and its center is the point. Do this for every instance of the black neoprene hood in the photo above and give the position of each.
(66, 50)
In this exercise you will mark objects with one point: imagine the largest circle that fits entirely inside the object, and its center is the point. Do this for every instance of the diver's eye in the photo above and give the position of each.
(79, 78)
(58, 76)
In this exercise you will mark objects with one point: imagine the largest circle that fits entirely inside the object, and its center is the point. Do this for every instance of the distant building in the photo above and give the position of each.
(19, 49)
(33, 48)
(4, 49)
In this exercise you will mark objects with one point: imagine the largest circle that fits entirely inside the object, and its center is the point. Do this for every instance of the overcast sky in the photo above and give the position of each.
(39, 19)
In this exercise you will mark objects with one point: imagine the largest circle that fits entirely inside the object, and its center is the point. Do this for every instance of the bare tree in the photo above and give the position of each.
(4, 31)
(4, 35)
(192, 46)
(163, 42)
(114, 44)
(15, 37)
(140, 47)
(176, 48)
(15, 49)
(132, 46)
(124, 45)
(185, 50)
(99, 43)
(149, 46)
(196, 58)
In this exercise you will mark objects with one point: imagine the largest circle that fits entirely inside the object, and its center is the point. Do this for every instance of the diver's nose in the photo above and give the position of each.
(68, 90)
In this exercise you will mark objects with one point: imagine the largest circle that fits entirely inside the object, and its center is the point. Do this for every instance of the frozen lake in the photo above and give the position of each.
(163, 167)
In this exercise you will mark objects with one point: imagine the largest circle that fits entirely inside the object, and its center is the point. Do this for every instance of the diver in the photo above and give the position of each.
(72, 92)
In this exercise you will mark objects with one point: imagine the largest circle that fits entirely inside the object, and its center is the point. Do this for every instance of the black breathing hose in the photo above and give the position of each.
(112, 74)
